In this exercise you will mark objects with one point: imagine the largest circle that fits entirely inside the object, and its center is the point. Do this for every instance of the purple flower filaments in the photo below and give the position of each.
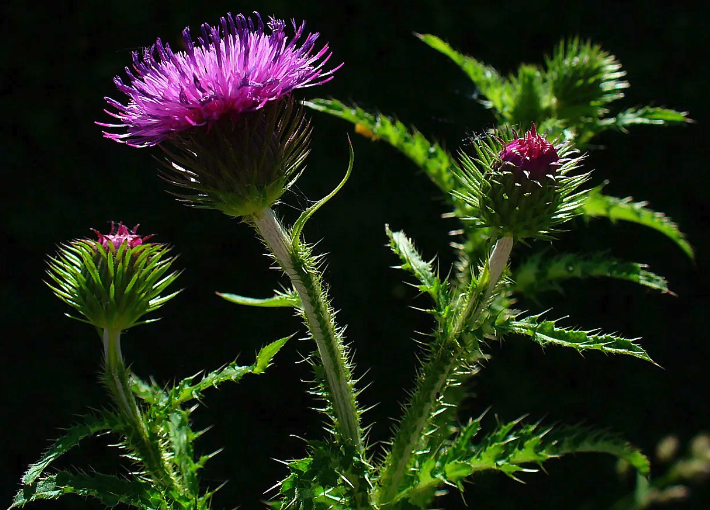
(234, 68)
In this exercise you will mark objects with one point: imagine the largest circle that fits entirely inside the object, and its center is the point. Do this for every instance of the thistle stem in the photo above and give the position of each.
(304, 279)
(498, 260)
(117, 379)
(435, 374)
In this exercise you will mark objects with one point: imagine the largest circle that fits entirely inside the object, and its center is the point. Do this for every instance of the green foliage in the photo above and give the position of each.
(568, 97)
(583, 79)
(280, 299)
(649, 115)
(599, 205)
(429, 156)
(92, 424)
(511, 448)
(109, 490)
(547, 333)
(171, 480)
(491, 85)
(333, 476)
(540, 274)
(413, 263)
(450, 357)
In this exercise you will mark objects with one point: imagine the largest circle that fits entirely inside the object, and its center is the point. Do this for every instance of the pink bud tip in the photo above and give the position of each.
(532, 154)
(121, 235)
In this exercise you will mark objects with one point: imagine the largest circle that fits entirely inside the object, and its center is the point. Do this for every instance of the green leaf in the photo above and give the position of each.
(646, 115)
(306, 215)
(429, 156)
(267, 353)
(188, 390)
(511, 448)
(110, 490)
(486, 78)
(413, 263)
(539, 274)
(73, 436)
(600, 205)
(547, 332)
(280, 299)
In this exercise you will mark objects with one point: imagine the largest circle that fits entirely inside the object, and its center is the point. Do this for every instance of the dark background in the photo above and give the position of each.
(61, 178)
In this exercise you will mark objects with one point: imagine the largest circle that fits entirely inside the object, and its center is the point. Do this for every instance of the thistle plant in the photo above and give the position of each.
(235, 139)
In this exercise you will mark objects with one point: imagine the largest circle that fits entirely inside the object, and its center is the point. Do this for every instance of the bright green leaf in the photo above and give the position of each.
(280, 299)
(110, 490)
(539, 274)
(600, 205)
(430, 157)
(547, 333)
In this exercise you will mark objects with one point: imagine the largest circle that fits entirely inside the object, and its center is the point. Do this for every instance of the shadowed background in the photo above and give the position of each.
(61, 178)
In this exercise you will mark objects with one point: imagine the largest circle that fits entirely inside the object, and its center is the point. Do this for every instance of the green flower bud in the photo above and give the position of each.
(242, 164)
(114, 281)
(518, 186)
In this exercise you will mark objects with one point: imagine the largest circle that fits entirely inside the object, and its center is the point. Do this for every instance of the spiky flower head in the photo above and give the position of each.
(519, 186)
(224, 105)
(112, 281)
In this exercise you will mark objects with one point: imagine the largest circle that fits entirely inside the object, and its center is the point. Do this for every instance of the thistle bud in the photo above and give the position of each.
(518, 186)
(113, 281)
(240, 165)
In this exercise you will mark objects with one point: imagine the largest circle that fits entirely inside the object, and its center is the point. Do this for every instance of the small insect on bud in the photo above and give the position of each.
(518, 186)
(113, 281)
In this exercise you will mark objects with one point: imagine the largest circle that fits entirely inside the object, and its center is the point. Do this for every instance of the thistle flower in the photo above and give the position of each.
(224, 106)
(519, 186)
(113, 281)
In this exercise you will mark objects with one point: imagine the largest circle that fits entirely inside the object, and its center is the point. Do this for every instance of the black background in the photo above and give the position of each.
(61, 178)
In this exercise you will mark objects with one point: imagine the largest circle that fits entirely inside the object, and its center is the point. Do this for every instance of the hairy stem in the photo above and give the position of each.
(319, 321)
(438, 369)
(117, 379)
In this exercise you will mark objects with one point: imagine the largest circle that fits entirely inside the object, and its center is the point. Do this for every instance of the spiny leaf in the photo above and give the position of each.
(511, 448)
(486, 78)
(600, 205)
(187, 390)
(429, 156)
(539, 274)
(267, 353)
(413, 262)
(110, 490)
(280, 299)
(326, 480)
(547, 332)
(92, 424)
(646, 115)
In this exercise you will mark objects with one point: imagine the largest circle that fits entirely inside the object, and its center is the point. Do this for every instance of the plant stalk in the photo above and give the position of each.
(117, 378)
(317, 317)
(436, 373)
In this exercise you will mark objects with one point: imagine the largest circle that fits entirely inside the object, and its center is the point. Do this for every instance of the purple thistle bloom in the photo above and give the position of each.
(532, 154)
(234, 68)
